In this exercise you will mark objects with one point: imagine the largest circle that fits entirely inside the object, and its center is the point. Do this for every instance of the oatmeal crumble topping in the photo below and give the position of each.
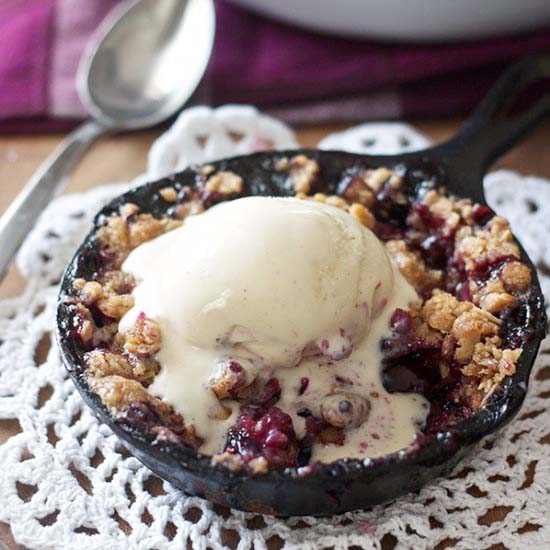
(114, 235)
(144, 338)
(473, 245)
(122, 234)
(116, 282)
(413, 267)
(90, 292)
(103, 363)
(188, 209)
(225, 182)
(84, 323)
(462, 261)
(128, 210)
(229, 379)
(515, 276)
(490, 364)
(303, 172)
(356, 209)
(357, 189)
(363, 214)
(117, 391)
(495, 301)
(169, 194)
(378, 177)
(469, 328)
(144, 228)
(116, 306)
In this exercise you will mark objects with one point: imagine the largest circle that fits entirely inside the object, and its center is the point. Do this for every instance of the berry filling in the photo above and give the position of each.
(264, 432)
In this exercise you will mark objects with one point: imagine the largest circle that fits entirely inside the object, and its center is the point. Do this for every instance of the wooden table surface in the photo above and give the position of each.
(124, 157)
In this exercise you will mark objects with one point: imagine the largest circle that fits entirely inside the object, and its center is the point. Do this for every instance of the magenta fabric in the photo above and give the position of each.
(301, 76)
(24, 46)
(272, 62)
(41, 42)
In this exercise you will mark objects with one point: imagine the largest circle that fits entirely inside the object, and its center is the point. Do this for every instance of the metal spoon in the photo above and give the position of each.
(142, 66)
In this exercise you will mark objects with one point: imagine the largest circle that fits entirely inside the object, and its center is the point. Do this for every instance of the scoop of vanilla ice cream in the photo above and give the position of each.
(260, 278)
(269, 276)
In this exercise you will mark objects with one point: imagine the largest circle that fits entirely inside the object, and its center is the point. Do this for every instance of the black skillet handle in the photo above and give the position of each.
(517, 102)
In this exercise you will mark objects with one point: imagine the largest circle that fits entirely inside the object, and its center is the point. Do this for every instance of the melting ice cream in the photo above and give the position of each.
(289, 289)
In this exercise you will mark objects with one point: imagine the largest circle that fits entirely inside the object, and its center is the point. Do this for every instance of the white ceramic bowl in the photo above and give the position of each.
(414, 20)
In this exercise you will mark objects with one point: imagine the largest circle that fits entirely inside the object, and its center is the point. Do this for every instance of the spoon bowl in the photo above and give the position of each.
(139, 69)
(145, 62)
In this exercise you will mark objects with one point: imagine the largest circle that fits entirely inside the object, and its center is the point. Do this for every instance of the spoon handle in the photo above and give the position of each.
(50, 178)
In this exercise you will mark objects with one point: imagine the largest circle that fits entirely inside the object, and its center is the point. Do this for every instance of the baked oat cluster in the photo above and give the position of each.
(456, 347)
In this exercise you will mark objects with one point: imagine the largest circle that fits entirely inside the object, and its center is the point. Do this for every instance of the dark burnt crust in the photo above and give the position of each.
(148, 199)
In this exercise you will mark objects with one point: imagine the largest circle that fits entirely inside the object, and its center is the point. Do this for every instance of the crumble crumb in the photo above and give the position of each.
(228, 378)
(225, 183)
(442, 309)
(117, 282)
(413, 267)
(424, 331)
(469, 328)
(189, 208)
(78, 284)
(490, 364)
(443, 208)
(89, 291)
(258, 465)
(114, 234)
(363, 215)
(465, 209)
(144, 228)
(128, 209)
(474, 245)
(144, 338)
(333, 200)
(101, 363)
(116, 391)
(177, 435)
(376, 179)
(116, 306)
(219, 413)
(345, 409)
(304, 172)
(168, 194)
(121, 236)
(87, 330)
(84, 323)
(281, 164)
(356, 189)
(515, 276)
(338, 202)
(467, 323)
(491, 296)
(493, 302)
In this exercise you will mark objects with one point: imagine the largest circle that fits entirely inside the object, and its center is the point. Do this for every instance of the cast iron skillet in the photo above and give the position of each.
(503, 118)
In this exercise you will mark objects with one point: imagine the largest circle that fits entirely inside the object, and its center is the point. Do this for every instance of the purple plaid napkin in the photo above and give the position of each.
(301, 76)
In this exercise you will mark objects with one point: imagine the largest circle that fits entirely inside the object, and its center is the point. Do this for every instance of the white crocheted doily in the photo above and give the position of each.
(66, 482)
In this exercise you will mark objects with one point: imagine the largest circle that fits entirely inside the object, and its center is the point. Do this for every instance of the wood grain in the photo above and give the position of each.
(123, 157)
